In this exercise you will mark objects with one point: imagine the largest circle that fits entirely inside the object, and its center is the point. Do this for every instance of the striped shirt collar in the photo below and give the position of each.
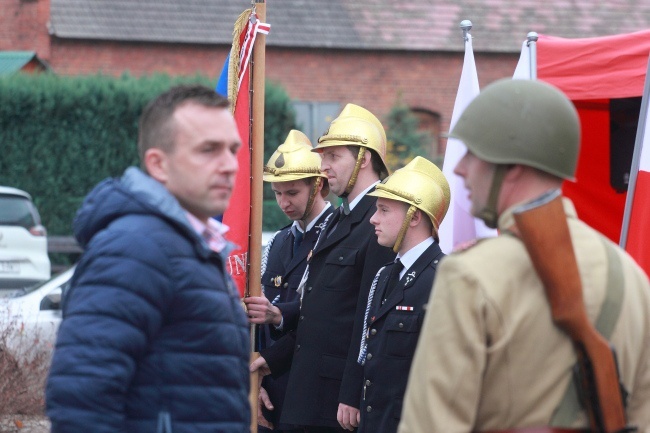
(212, 233)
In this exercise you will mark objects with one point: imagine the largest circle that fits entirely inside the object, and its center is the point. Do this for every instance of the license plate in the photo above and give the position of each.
(9, 268)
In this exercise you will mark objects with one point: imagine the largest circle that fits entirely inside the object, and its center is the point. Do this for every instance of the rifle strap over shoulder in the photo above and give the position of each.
(569, 408)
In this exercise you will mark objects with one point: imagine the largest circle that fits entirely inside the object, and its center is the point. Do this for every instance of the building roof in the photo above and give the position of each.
(422, 25)
(14, 61)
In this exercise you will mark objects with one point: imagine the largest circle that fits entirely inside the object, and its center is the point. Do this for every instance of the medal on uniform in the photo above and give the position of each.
(277, 281)
(410, 277)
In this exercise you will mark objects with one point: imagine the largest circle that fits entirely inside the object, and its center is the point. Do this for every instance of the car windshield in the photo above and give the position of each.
(16, 211)
(27, 290)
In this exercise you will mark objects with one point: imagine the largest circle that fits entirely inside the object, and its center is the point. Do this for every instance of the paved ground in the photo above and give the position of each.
(21, 424)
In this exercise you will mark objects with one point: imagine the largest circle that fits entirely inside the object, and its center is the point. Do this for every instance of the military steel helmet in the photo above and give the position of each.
(421, 184)
(522, 122)
(293, 160)
(356, 126)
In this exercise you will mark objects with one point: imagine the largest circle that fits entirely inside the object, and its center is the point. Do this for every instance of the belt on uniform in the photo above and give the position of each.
(537, 430)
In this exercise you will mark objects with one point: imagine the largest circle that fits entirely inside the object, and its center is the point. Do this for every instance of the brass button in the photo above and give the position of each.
(373, 331)
(401, 325)
(309, 289)
(340, 258)
(369, 409)
(369, 356)
(286, 285)
(368, 383)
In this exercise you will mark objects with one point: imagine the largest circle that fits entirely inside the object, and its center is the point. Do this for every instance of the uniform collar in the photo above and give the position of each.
(507, 219)
(414, 253)
(296, 226)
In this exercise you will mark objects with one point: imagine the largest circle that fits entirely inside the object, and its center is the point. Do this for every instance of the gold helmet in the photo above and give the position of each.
(356, 126)
(421, 185)
(294, 160)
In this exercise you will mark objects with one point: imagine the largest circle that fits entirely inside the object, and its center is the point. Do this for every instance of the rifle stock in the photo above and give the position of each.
(552, 255)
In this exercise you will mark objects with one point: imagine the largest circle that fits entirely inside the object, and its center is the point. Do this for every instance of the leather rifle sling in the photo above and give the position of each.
(567, 411)
(552, 255)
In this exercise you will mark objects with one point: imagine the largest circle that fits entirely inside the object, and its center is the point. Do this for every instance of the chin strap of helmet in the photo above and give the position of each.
(312, 197)
(353, 180)
(405, 225)
(489, 213)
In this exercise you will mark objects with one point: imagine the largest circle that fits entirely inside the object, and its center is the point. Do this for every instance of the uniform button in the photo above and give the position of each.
(297, 347)
(340, 258)
(286, 285)
(369, 409)
(401, 325)
(309, 289)
(369, 356)
(373, 331)
(368, 383)
(302, 317)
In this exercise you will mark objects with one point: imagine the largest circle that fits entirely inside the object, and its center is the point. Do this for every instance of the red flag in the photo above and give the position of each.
(237, 216)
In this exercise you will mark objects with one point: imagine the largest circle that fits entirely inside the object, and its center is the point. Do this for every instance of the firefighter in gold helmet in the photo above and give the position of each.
(300, 190)
(325, 381)
(411, 204)
(490, 356)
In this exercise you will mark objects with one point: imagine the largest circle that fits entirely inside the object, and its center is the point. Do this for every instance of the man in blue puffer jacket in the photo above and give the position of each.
(154, 338)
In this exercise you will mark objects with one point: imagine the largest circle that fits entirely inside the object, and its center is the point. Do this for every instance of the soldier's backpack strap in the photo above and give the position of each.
(569, 408)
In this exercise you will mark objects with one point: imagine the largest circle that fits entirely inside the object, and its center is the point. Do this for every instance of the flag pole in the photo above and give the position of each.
(532, 48)
(466, 26)
(257, 167)
(636, 158)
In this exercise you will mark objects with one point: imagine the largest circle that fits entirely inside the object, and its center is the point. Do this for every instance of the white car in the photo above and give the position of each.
(34, 313)
(23, 241)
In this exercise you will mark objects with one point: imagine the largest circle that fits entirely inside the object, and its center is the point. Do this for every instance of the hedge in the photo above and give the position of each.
(61, 135)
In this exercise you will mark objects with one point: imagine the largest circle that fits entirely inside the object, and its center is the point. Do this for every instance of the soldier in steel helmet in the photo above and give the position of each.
(411, 204)
(490, 356)
(325, 380)
(300, 190)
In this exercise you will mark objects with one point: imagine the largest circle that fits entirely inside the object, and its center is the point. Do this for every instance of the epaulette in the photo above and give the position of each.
(464, 246)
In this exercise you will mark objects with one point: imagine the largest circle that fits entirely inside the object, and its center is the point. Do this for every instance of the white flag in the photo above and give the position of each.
(522, 71)
(459, 226)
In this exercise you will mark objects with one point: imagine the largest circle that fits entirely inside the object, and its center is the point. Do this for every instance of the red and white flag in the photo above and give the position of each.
(237, 216)
(459, 226)
(638, 228)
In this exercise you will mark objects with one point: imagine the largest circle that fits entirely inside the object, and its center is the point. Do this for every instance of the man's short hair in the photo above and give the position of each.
(156, 130)
(375, 160)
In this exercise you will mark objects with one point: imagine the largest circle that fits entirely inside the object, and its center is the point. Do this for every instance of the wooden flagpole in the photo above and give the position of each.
(257, 167)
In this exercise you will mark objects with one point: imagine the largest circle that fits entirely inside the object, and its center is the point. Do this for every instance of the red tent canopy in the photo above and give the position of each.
(592, 71)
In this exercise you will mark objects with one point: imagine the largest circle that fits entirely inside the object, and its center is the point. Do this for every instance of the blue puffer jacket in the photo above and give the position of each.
(154, 338)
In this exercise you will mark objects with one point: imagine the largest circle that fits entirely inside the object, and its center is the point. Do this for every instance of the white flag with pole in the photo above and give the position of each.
(635, 233)
(527, 66)
(459, 226)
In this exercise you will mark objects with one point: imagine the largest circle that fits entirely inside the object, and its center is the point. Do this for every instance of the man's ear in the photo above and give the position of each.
(417, 218)
(367, 157)
(155, 161)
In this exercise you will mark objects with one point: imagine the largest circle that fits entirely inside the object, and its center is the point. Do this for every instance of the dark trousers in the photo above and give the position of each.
(261, 429)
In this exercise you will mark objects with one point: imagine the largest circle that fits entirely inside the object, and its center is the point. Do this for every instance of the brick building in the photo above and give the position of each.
(324, 52)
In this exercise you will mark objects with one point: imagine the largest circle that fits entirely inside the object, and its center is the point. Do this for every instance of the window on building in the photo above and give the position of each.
(313, 118)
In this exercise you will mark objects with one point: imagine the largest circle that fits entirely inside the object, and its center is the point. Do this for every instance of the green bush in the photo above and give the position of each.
(61, 135)
(405, 142)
